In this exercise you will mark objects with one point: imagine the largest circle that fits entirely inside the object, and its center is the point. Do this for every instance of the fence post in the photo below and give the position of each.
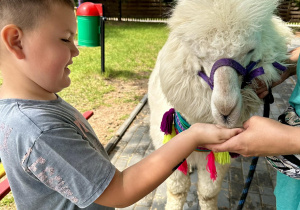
(289, 12)
(120, 10)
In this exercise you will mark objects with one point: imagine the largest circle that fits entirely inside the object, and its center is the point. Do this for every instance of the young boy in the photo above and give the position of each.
(51, 155)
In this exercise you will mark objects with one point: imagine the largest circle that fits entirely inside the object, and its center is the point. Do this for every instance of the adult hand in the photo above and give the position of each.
(261, 137)
(262, 89)
(294, 55)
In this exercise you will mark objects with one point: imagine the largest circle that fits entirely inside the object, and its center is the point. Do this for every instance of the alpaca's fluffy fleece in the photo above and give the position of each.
(202, 32)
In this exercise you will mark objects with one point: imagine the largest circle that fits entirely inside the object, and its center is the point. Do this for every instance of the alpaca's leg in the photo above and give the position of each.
(208, 190)
(178, 185)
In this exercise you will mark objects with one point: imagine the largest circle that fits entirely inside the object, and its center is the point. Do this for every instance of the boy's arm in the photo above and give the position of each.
(137, 181)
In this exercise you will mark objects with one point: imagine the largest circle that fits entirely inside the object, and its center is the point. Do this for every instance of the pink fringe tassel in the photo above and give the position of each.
(211, 167)
(183, 167)
(167, 122)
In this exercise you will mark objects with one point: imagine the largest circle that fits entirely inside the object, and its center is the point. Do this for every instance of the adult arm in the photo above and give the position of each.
(137, 181)
(262, 89)
(262, 137)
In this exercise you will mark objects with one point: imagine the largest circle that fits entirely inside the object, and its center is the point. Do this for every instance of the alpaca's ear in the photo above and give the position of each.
(11, 36)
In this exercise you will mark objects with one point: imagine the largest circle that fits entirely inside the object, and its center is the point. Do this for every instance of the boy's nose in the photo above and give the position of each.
(75, 51)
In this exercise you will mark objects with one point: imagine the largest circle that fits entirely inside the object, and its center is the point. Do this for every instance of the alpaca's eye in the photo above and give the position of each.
(251, 51)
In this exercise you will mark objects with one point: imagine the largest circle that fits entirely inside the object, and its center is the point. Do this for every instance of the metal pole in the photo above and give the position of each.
(102, 42)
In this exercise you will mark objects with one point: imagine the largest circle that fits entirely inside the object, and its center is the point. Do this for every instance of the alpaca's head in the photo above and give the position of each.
(204, 31)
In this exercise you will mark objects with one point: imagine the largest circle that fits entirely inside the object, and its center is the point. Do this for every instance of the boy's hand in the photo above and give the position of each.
(213, 134)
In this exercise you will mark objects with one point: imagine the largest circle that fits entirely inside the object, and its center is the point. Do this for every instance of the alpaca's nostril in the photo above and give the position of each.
(225, 117)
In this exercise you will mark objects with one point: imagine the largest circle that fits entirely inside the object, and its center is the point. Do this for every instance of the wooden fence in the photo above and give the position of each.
(289, 12)
(161, 9)
(135, 9)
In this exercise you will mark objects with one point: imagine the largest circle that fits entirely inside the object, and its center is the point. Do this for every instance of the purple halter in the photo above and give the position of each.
(247, 74)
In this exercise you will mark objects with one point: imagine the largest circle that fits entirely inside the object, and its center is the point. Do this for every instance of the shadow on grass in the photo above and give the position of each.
(125, 74)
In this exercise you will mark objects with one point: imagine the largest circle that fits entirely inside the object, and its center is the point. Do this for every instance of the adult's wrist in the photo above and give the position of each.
(291, 142)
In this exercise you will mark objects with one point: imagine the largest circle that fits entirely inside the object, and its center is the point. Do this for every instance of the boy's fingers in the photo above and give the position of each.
(218, 147)
(229, 133)
(238, 130)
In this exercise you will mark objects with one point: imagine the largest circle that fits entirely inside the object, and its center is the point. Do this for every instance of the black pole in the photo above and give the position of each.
(102, 41)
(269, 99)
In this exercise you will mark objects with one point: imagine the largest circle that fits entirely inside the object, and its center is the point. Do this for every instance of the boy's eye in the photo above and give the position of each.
(65, 40)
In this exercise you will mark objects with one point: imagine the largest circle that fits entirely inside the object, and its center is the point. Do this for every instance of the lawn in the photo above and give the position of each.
(130, 54)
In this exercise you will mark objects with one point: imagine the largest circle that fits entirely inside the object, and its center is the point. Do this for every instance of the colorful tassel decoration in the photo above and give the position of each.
(167, 122)
(183, 167)
(168, 137)
(222, 157)
(172, 124)
(211, 167)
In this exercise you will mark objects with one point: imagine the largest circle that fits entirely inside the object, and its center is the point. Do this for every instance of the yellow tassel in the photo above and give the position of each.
(169, 136)
(222, 157)
(2, 171)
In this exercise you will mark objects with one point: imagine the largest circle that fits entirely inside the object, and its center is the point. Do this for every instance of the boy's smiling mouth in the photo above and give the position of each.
(67, 66)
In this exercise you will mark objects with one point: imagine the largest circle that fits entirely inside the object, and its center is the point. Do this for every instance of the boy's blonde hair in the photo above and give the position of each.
(26, 13)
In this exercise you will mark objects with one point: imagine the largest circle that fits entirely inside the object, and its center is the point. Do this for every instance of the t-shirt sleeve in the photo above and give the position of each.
(69, 164)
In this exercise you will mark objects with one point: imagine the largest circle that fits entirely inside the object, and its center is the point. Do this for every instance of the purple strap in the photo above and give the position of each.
(207, 79)
(251, 75)
(222, 62)
(247, 74)
(279, 66)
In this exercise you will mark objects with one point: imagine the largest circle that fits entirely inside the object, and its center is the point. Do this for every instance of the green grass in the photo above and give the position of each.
(7, 202)
(133, 47)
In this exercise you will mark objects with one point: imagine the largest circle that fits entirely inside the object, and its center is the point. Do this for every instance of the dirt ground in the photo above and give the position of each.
(107, 119)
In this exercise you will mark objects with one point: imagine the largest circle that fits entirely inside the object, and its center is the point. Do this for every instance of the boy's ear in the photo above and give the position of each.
(11, 36)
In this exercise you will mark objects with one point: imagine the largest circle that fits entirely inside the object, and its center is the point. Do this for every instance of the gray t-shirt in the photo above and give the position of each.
(51, 155)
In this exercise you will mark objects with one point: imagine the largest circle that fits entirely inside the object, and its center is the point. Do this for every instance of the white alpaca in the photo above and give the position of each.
(202, 32)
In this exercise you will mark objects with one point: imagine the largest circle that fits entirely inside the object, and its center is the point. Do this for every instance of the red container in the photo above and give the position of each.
(90, 9)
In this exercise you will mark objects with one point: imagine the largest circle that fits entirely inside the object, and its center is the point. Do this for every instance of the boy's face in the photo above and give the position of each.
(49, 49)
